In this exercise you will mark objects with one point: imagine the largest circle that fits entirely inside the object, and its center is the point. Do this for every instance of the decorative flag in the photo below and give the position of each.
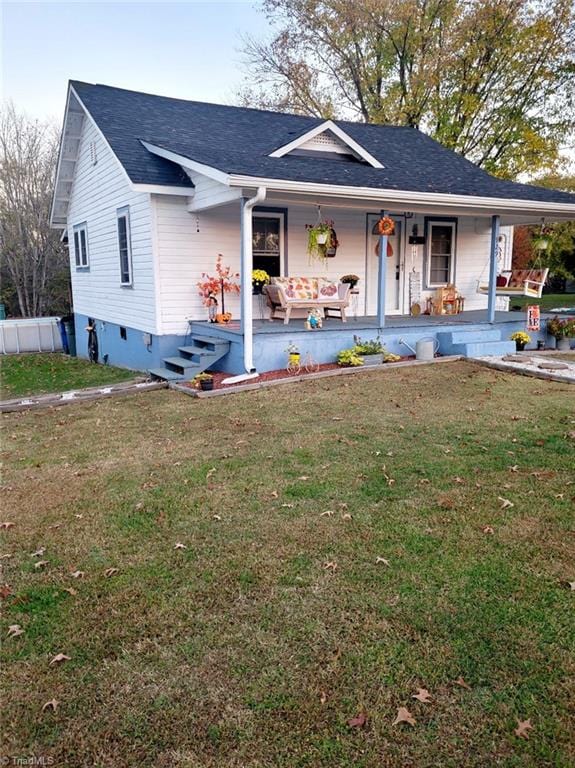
(533, 317)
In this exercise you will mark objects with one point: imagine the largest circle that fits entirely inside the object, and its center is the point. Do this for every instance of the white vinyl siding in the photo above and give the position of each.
(81, 246)
(124, 246)
(98, 191)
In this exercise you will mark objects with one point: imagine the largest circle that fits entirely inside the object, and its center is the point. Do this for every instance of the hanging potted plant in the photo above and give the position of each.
(542, 241)
(322, 241)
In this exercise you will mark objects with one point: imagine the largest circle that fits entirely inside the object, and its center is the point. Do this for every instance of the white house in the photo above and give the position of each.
(150, 190)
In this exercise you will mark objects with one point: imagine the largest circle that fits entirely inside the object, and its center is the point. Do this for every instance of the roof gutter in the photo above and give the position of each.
(406, 197)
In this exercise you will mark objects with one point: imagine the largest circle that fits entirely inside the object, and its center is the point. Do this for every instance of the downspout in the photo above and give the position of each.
(492, 289)
(247, 262)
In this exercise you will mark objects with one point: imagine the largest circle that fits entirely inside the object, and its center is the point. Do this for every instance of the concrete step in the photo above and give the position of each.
(465, 337)
(200, 351)
(182, 364)
(213, 343)
(165, 374)
(484, 348)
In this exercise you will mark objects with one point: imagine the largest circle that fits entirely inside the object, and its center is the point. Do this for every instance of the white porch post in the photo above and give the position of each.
(381, 276)
(493, 269)
(247, 260)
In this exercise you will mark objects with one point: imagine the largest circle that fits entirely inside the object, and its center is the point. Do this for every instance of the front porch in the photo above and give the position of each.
(468, 333)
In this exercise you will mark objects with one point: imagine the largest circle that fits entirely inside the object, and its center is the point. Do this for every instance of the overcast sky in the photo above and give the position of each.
(186, 49)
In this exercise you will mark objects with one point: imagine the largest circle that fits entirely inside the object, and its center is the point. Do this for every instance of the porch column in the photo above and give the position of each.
(246, 266)
(381, 276)
(493, 269)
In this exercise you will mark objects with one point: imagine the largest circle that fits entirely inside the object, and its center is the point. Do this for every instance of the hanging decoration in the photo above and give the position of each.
(533, 317)
(386, 226)
(322, 242)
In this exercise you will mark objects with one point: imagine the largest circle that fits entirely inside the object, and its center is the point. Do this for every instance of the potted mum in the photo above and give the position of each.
(259, 278)
(205, 381)
(521, 340)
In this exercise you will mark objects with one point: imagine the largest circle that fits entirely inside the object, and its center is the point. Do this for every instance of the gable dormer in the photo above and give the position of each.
(327, 140)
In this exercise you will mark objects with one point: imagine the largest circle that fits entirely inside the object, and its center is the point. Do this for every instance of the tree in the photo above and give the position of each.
(559, 257)
(491, 79)
(34, 264)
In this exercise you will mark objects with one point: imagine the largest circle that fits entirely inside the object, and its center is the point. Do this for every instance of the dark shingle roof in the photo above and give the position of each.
(238, 140)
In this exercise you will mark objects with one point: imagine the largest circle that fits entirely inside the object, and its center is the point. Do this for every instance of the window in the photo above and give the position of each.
(266, 244)
(81, 245)
(440, 253)
(124, 246)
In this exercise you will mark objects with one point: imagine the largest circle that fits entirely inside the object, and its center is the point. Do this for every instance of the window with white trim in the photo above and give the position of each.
(441, 237)
(81, 246)
(267, 242)
(124, 245)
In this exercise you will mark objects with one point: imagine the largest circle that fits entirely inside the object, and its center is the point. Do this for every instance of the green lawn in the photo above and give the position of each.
(36, 374)
(254, 643)
(546, 302)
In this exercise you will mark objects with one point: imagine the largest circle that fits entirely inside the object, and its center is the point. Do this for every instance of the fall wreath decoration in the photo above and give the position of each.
(386, 226)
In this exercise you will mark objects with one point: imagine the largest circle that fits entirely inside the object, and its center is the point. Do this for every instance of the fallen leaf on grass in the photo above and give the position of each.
(505, 503)
(346, 516)
(358, 721)
(38, 552)
(54, 527)
(6, 556)
(179, 545)
(462, 684)
(523, 728)
(210, 472)
(287, 506)
(327, 513)
(422, 695)
(217, 517)
(274, 494)
(40, 563)
(514, 468)
(303, 477)
(59, 658)
(404, 716)
(382, 560)
(110, 572)
(78, 574)
(323, 697)
(488, 529)
(52, 704)
(14, 630)
(5, 591)
(71, 591)
(330, 565)
(5, 526)
(459, 480)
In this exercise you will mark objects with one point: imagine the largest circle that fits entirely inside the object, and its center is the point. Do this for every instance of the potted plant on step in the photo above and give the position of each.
(521, 340)
(205, 381)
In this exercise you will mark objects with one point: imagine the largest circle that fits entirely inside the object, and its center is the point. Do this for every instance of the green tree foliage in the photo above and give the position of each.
(492, 79)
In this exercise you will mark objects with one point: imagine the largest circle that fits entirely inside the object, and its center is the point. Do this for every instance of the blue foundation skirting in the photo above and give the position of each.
(140, 351)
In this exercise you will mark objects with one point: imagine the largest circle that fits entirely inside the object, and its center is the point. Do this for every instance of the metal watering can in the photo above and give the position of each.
(425, 349)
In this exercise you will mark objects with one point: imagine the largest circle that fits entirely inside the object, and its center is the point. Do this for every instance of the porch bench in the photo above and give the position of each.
(286, 294)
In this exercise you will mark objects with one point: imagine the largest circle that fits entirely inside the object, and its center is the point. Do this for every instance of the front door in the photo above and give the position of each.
(394, 266)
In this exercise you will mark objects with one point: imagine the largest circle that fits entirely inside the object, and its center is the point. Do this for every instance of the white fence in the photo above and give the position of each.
(38, 334)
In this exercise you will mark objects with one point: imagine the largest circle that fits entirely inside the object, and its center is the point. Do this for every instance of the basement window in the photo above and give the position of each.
(123, 334)
(81, 246)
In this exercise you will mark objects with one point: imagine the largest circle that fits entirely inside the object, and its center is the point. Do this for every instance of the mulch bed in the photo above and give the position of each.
(282, 373)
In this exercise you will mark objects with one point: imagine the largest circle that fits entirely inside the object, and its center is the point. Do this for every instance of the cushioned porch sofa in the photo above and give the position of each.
(290, 294)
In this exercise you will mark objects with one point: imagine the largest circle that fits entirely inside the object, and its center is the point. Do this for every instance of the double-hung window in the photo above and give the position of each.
(267, 243)
(441, 236)
(124, 245)
(81, 246)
